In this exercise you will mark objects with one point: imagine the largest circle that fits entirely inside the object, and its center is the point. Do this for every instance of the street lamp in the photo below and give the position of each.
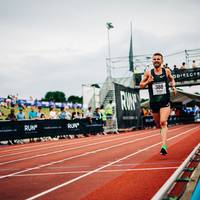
(109, 26)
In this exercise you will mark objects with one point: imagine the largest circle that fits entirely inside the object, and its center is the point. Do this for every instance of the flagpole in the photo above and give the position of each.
(131, 49)
(131, 29)
(109, 55)
(131, 56)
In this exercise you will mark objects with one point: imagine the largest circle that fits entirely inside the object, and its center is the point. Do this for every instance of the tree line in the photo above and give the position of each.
(58, 96)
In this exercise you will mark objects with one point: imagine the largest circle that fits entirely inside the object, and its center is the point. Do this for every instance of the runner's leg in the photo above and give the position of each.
(164, 114)
(156, 117)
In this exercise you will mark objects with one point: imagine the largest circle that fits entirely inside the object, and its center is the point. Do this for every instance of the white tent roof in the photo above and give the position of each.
(185, 97)
(181, 96)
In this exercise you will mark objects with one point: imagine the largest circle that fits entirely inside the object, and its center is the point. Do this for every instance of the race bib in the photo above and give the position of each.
(159, 88)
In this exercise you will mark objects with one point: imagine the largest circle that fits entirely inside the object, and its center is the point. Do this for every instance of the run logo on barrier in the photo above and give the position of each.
(128, 100)
(73, 125)
(127, 106)
(29, 128)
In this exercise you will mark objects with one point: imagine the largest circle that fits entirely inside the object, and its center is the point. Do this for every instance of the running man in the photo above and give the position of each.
(158, 80)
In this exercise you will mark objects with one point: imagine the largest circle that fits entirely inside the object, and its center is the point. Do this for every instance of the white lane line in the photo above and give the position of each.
(105, 166)
(67, 144)
(25, 146)
(43, 148)
(49, 147)
(154, 163)
(46, 143)
(59, 167)
(80, 142)
(77, 156)
(43, 144)
(101, 171)
(72, 148)
(75, 148)
(74, 142)
(87, 166)
(67, 167)
(28, 151)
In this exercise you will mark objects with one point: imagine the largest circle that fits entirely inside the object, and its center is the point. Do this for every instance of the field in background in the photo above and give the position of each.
(6, 111)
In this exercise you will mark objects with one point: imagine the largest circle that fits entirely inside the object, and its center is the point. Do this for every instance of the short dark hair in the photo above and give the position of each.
(158, 54)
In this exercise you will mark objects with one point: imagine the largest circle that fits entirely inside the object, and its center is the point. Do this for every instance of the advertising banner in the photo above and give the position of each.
(127, 107)
(42, 128)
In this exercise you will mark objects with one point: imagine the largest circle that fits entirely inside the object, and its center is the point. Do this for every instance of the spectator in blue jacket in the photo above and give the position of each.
(62, 114)
(32, 114)
(20, 114)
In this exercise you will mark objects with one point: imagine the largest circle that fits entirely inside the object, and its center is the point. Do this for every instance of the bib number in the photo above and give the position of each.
(159, 88)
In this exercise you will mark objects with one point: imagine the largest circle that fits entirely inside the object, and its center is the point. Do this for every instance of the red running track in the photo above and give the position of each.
(123, 166)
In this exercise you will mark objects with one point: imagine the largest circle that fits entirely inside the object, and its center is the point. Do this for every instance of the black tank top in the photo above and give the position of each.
(159, 88)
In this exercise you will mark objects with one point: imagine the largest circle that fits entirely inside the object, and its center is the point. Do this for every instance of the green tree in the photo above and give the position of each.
(56, 96)
(75, 99)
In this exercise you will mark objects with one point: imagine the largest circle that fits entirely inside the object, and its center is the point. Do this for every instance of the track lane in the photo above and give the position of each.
(142, 185)
(7, 149)
(69, 186)
(58, 179)
(38, 164)
(43, 152)
(70, 157)
(54, 149)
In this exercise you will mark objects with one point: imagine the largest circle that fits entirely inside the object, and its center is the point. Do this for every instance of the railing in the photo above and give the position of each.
(105, 89)
(183, 77)
(169, 183)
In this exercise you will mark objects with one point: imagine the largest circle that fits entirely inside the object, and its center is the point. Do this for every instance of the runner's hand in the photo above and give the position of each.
(150, 79)
(174, 91)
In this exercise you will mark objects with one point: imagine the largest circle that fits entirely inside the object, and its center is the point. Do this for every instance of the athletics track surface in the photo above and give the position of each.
(120, 166)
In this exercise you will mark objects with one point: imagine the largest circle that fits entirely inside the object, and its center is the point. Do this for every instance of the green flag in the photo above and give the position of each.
(109, 25)
(131, 56)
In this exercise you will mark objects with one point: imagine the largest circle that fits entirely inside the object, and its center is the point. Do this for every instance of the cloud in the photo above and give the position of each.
(34, 75)
(60, 45)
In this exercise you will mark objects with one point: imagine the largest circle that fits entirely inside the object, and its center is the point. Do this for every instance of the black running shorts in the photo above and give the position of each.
(156, 106)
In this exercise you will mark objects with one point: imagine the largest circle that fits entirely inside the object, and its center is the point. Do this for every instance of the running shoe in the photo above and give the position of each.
(163, 150)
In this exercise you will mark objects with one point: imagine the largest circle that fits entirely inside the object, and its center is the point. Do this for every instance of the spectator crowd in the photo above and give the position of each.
(15, 112)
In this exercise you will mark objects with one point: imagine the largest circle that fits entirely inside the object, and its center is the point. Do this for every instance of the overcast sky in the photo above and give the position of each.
(48, 45)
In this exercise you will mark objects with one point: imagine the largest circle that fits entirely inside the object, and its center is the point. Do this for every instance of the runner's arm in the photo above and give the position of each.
(144, 82)
(172, 81)
(171, 78)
